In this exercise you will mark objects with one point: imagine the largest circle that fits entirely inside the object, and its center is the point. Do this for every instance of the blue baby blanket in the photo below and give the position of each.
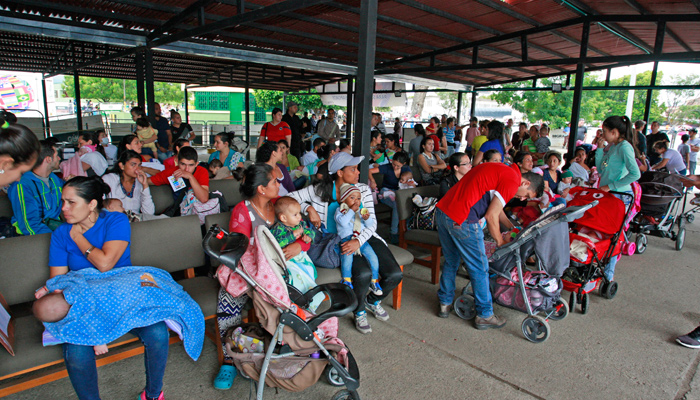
(107, 305)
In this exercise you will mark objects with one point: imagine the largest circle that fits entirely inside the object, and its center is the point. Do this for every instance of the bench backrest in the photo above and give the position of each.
(173, 244)
(162, 197)
(230, 188)
(404, 203)
(221, 219)
(5, 207)
(23, 266)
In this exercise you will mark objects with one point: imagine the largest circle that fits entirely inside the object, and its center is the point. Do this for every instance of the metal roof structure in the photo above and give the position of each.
(459, 43)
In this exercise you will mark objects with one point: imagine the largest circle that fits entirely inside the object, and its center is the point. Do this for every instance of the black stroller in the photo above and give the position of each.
(532, 292)
(663, 201)
(299, 349)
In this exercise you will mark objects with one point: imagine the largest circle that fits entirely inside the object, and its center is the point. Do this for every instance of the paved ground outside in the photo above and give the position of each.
(622, 349)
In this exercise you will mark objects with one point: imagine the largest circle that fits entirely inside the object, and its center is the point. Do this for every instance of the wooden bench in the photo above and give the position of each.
(172, 244)
(425, 239)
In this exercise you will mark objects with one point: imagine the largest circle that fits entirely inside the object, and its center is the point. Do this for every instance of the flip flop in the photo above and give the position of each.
(224, 380)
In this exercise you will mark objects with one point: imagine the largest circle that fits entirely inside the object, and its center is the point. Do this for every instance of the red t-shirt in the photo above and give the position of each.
(169, 162)
(469, 198)
(275, 133)
(161, 178)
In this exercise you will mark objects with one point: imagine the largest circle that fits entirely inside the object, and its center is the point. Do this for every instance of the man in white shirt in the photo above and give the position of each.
(694, 144)
(311, 156)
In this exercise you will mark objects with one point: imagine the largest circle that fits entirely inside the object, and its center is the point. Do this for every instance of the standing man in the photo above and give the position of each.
(36, 197)
(328, 129)
(377, 123)
(694, 144)
(482, 193)
(641, 137)
(307, 122)
(165, 136)
(398, 127)
(653, 137)
(297, 126)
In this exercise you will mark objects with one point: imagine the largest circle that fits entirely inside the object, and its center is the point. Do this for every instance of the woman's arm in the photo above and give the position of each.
(440, 163)
(55, 271)
(477, 158)
(103, 259)
(630, 161)
(661, 164)
(372, 182)
(424, 164)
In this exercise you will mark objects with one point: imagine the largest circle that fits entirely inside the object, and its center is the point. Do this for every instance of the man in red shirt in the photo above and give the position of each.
(195, 177)
(481, 193)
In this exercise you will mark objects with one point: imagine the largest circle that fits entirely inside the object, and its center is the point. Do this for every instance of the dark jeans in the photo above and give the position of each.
(300, 182)
(82, 370)
(389, 271)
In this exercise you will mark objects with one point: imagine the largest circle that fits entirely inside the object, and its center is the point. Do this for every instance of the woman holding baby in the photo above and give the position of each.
(94, 238)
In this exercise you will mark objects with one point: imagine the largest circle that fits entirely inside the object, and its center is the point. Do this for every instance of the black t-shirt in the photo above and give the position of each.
(295, 125)
(182, 132)
(653, 156)
(581, 133)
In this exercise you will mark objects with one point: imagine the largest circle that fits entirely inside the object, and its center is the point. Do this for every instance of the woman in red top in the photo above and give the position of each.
(275, 130)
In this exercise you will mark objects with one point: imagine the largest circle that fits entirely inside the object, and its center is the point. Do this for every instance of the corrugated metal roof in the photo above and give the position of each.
(327, 33)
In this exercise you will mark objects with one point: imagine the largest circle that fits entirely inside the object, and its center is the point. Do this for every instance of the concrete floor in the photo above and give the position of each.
(622, 349)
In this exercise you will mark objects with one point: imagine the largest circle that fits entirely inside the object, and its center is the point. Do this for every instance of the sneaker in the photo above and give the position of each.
(691, 340)
(375, 288)
(378, 311)
(347, 283)
(143, 396)
(444, 310)
(493, 321)
(361, 323)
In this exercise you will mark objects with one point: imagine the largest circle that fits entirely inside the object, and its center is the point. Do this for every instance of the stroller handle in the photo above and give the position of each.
(232, 249)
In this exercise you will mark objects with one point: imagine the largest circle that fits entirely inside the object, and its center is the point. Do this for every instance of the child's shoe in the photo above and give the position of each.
(143, 396)
(375, 288)
(347, 282)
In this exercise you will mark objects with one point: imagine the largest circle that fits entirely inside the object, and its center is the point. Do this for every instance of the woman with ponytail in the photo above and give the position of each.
(616, 163)
(19, 149)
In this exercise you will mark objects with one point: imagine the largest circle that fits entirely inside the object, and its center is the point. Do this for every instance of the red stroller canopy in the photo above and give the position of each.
(607, 217)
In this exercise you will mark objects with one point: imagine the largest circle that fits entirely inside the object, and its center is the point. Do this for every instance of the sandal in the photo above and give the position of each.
(224, 380)
(143, 396)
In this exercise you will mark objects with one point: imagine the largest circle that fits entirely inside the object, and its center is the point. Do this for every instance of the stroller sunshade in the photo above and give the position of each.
(607, 217)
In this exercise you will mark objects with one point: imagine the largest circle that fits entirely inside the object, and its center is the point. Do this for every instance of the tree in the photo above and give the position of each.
(677, 112)
(107, 90)
(596, 105)
(273, 98)
(448, 101)
(418, 101)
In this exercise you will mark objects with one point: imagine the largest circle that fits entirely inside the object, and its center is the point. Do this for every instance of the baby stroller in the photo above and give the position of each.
(663, 200)
(533, 292)
(595, 239)
(303, 344)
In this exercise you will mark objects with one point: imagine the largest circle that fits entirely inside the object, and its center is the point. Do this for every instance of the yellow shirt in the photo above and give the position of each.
(145, 134)
(478, 141)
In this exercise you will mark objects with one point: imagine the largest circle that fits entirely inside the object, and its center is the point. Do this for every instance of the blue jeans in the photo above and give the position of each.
(609, 270)
(82, 370)
(162, 156)
(691, 167)
(147, 151)
(466, 242)
(394, 214)
(300, 182)
(346, 260)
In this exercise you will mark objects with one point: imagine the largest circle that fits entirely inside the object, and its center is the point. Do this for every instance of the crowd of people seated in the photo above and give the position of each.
(312, 200)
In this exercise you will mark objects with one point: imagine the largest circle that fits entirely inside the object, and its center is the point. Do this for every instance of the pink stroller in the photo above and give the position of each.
(303, 344)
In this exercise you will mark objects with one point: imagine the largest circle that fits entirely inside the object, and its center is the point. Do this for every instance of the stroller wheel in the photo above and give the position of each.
(465, 307)
(535, 329)
(680, 239)
(572, 302)
(333, 377)
(560, 310)
(344, 395)
(585, 302)
(641, 242)
(468, 290)
(690, 218)
(629, 248)
(609, 290)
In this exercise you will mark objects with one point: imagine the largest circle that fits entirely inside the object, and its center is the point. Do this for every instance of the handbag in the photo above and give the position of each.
(423, 215)
(323, 249)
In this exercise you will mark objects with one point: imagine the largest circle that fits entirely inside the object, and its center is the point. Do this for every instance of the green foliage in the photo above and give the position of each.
(268, 99)
(678, 111)
(106, 90)
(448, 101)
(596, 105)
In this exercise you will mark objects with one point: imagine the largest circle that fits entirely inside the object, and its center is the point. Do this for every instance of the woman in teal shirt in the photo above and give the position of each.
(616, 164)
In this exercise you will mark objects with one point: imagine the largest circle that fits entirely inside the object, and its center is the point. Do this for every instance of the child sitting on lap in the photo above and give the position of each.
(290, 229)
(565, 185)
(350, 219)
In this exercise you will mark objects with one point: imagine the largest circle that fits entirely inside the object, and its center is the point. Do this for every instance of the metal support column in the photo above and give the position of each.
(472, 111)
(187, 106)
(79, 109)
(47, 124)
(578, 92)
(647, 104)
(247, 111)
(349, 111)
(150, 87)
(459, 108)
(140, 93)
(366, 50)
